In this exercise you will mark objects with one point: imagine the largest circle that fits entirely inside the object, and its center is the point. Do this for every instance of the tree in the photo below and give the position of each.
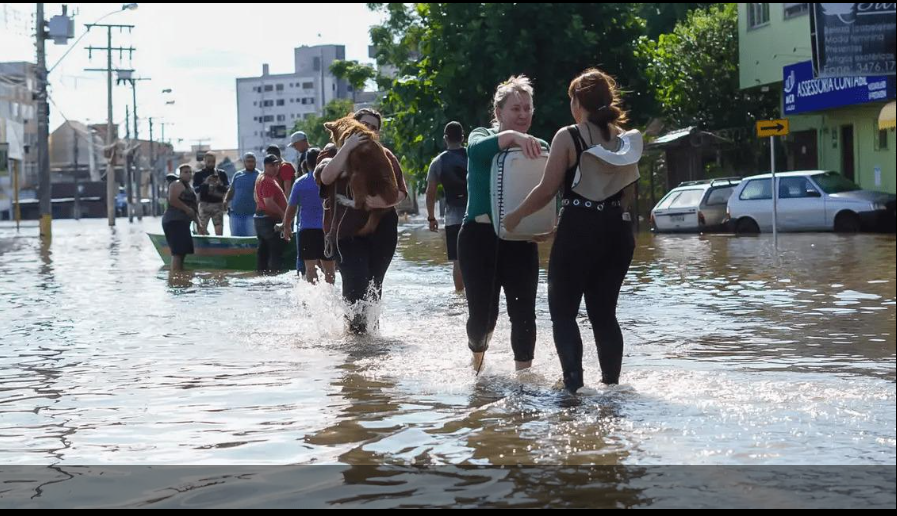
(313, 126)
(694, 71)
(451, 56)
(662, 18)
(357, 75)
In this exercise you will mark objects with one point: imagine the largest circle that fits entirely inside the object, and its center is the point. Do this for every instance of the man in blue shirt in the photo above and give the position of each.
(306, 199)
(240, 199)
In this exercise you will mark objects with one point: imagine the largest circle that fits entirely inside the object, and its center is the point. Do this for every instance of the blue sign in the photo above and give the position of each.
(803, 93)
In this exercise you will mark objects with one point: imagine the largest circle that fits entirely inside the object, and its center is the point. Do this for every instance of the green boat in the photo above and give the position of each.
(225, 253)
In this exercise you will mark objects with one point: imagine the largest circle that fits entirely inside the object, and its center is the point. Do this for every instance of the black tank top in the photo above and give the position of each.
(570, 176)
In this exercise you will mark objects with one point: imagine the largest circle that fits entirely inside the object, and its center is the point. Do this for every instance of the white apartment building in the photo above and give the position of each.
(268, 106)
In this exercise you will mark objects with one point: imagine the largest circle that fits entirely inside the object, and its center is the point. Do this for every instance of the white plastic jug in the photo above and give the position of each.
(513, 177)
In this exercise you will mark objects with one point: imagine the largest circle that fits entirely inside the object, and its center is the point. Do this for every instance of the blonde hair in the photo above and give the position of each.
(515, 85)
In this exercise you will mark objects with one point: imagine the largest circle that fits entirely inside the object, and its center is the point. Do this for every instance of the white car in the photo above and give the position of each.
(693, 207)
(810, 200)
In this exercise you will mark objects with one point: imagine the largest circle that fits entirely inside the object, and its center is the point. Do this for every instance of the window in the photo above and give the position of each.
(308, 85)
(255, 119)
(666, 201)
(758, 15)
(880, 141)
(255, 103)
(719, 196)
(268, 118)
(269, 87)
(291, 101)
(267, 103)
(756, 190)
(280, 102)
(795, 10)
(278, 131)
(280, 87)
(292, 115)
(796, 188)
(688, 199)
(281, 118)
(833, 182)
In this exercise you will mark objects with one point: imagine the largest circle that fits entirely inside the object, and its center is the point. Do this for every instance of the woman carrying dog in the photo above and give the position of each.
(362, 259)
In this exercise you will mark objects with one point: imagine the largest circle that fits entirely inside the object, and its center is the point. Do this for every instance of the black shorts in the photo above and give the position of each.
(451, 241)
(311, 245)
(177, 233)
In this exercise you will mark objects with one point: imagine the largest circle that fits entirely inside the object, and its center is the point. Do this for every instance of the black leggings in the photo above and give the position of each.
(363, 262)
(590, 257)
(271, 246)
(488, 265)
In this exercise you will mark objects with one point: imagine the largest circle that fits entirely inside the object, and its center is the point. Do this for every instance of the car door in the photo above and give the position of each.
(800, 205)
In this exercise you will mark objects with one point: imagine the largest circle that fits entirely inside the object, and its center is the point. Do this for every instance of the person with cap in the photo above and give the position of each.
(450, 170)
(211, 205)
(270, 207)
(239, 201)
(299, 143)
(286, 172)
(181, 211)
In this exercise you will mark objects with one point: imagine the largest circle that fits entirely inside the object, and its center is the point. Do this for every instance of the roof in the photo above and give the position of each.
(792, 173)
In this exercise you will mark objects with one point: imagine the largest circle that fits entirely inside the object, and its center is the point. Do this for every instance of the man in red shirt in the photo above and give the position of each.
(286, 174)
(271, 203)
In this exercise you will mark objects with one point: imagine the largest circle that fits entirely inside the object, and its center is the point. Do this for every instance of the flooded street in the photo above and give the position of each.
(734, 356)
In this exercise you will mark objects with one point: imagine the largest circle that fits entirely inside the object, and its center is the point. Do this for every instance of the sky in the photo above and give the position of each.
(196, 50)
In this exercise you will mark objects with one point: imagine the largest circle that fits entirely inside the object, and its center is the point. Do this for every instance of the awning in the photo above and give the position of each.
(886, 117)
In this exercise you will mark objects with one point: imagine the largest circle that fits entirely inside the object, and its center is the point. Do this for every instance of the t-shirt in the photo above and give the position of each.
(200, 177)
(243, 202)
(212, 194)
(482, 146)
(454, 215)
(287, 173)
(267, 188)
(306, 195)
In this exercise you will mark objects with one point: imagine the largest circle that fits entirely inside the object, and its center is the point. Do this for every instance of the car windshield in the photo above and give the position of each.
(833, 182)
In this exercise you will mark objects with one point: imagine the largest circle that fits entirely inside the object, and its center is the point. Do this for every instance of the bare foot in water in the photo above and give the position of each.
(477, 361)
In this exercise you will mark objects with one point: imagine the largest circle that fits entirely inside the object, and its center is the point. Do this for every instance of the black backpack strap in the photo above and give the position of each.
(578, 141)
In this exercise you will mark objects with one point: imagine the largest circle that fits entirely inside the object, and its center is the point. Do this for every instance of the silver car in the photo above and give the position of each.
(810, 200)
(694, 207)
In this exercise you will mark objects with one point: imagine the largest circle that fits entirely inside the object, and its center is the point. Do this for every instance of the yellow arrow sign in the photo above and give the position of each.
(772, 128)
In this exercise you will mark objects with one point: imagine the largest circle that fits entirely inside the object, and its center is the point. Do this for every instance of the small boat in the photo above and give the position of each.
(227, 253)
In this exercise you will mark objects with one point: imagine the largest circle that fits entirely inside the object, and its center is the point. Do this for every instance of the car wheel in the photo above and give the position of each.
(847, 222)
(747, 226)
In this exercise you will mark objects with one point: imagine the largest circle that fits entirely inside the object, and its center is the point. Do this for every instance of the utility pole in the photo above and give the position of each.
(43, 130)
(136, 152)
(77, 209)
(154, 189)
(129, 169)
(110, 148)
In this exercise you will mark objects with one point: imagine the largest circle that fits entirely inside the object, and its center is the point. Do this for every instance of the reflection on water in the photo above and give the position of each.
(735, 355)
